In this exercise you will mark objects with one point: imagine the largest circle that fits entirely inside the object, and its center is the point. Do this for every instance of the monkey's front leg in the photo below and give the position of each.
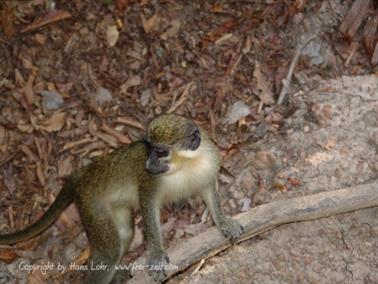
(157, 257)
(230, 228)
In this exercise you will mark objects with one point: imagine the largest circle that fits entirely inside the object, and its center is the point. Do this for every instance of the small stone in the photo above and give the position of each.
(238, 111)
(306, 128)
(51, 100)
(246, 179)
(232, 203)
(237, 194)
(145, 97)
(245, 204)
(103, 96)
(373, 139)
(264, 160)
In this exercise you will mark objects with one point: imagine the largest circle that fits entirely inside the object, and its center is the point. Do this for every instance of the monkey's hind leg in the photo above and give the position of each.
(105, 243)
(125, 224)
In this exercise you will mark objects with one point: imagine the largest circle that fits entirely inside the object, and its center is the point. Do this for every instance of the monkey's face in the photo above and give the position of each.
(169, 136)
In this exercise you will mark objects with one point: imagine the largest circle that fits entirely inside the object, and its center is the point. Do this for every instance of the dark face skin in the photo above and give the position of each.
(157, 162)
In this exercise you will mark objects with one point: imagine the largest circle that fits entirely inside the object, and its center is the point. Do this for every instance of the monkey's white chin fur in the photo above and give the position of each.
(190, 154)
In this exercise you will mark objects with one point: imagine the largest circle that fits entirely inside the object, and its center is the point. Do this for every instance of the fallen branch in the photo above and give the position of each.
(264, 218)
(287, 81)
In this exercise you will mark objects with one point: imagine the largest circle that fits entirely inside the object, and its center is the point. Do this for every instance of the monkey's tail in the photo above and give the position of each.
(64, 198)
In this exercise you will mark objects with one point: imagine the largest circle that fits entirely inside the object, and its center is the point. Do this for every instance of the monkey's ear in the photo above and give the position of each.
(195, 138)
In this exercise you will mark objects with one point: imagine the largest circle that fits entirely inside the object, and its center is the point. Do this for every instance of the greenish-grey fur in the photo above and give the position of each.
(95, 176)
(158, 131)
(107, 192)
(121, 164)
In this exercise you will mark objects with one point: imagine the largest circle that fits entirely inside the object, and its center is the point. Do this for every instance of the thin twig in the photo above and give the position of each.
(287, 81)
(182, 99)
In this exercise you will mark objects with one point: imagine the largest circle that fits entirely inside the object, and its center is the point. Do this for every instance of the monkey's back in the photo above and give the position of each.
(114, 178)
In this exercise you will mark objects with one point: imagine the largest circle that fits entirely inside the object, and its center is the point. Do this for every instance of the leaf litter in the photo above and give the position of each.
(83, 78)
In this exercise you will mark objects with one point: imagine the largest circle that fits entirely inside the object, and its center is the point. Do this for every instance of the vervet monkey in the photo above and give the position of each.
(175, 160)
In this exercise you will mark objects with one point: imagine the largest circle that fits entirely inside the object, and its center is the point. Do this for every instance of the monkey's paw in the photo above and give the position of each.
(157, 265)
(231, 229)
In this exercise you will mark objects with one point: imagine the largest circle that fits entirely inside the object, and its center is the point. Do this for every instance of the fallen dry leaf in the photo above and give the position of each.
(120, 137)
(322, 113)
(41, 273)
(3, 133)
(112, 35)
(19, 80)
(294, 181)
(138, 238)
(53, 16)
(131, 82)
(152, 24)
(88, 148)
(26, 61)
(130, 122)
(69, 218)
(65, 166)
(121, 5)
(225, 27)
(188, 88)
(23, 126)
(29, 153)
(374, 58)
(300, 4)
(107, 138)
(64, 88)
(27, 91)
(54, 123)
(84, 255)
(6, 21)
(73, 144)
(40, 174)
(264, 160)
(280, 187)
(40, 39)
(8, 255)
(369, 33)
(265, 93)
(34, 279)
(93, 130)
(172, 31)
(223, 38)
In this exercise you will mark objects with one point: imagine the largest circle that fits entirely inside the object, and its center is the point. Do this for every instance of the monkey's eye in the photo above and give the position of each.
(160, 153)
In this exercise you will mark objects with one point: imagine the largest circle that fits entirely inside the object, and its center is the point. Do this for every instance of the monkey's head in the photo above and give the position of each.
(170, 135)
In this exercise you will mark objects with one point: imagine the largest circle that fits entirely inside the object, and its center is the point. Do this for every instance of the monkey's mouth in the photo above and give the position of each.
(157, 167)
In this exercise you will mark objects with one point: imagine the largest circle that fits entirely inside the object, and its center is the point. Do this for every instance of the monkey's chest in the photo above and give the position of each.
(189, 179)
